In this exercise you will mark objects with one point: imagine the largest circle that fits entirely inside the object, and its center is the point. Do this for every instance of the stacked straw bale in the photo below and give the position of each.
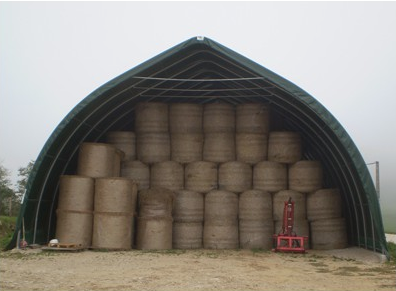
(213, 175)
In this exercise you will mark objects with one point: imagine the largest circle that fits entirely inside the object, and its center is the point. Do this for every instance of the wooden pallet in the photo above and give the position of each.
(59, 247)
(64, 246)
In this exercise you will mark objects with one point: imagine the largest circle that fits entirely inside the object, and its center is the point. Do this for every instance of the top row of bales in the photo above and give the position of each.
(215, 132)
(154, 117)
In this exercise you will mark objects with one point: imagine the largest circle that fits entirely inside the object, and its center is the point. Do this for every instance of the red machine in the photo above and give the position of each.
(287, 240)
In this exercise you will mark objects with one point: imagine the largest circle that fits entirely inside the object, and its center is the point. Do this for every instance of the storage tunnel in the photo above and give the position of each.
(201, 70)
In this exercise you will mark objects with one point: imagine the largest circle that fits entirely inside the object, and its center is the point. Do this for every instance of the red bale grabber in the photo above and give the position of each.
(287, 240)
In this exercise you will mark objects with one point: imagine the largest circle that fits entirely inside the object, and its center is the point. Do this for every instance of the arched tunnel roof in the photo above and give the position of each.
(201, 70)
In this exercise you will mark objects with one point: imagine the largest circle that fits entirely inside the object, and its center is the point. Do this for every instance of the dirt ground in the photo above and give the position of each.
(349, 269)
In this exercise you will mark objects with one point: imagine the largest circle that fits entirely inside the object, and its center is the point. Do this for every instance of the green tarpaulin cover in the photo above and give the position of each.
(201, 70)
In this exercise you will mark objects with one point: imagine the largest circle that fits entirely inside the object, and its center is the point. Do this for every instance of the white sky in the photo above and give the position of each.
(53, 54)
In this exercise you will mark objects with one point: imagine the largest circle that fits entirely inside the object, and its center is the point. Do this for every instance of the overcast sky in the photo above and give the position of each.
(53, 54)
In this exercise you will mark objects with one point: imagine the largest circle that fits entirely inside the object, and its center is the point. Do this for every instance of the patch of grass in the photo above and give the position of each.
(290, 256)
(343, 259)
(216, 253)
(392, 253)
(344, 273)
(22, 255)
(323, 270)
(100, 250)
(387, 286)
(367, 274)
(12, 255)
(314, 256)
(383, 270)
(7, 227)
(349, 269)
(318, 264)
(46, 254)
(173, 252)
(259, 251)
(212, 255)
(165, 252)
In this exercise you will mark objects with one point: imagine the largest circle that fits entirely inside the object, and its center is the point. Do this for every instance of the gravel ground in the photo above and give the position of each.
(348, 269)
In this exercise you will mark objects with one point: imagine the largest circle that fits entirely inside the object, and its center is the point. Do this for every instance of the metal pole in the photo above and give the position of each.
(377, 181)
